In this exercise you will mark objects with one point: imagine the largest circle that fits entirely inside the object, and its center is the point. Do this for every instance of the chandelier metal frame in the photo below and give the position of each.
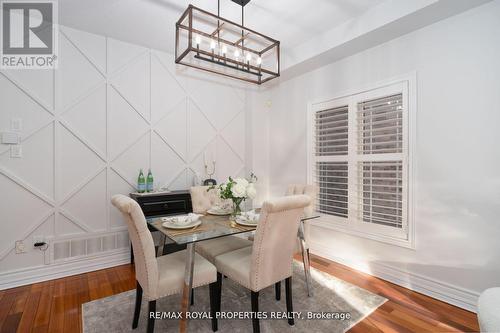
(256, 65)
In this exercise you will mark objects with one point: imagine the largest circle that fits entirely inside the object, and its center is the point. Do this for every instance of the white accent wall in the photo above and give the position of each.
(110, 109)
(457, 159)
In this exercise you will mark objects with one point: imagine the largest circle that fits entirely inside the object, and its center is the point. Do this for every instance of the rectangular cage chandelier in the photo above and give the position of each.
(211, 43)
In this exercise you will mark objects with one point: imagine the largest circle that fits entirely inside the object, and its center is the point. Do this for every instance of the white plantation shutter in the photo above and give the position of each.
(331, 172)
(331, 178)
(359, 154)
(331, 132)
(380, 125)
(380, 132)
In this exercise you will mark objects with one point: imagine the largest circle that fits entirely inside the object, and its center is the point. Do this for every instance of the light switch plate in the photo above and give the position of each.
(10, 138)
(16, 151)
(16, 124)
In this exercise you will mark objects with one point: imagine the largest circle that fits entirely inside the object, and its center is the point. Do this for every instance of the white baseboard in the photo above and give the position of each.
(463, 298)
(23, 277)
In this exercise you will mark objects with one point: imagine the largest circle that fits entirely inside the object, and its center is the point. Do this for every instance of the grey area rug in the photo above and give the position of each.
(114, 313)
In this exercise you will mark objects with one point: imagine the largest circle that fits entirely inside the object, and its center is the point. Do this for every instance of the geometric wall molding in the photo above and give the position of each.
(73, 67)
(125, 125)
(88, 119)
(120, 54)
(130, 108)
(132, 82)
(92, 46)
(17, 103)
(77, 163)
(172, 129)
(36, 168)
(163, 100)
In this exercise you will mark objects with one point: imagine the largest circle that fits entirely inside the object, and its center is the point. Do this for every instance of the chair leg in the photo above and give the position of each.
(138, 301)
(289, 303)
(192, 296)
(213, 288)
(255, 309)
(151, 319)
(219, 292)
(277, 289)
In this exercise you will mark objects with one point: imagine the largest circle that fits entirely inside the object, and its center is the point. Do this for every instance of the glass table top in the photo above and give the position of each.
(211, 227)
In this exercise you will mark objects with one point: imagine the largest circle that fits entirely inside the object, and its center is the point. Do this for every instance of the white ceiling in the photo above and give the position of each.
(312, 32)
(152, 22)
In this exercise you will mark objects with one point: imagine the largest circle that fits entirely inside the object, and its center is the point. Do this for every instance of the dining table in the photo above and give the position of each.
(211, 227)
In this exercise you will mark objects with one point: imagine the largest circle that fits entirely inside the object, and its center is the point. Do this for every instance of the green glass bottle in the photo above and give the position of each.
(149, 182)
(141, 183)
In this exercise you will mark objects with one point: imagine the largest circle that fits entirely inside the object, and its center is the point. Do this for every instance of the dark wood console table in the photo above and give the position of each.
(163, 204)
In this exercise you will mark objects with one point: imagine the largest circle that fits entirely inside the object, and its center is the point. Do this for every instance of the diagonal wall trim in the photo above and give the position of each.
(75, 220)
(118, 173)
(204, 114)
(242, 158)
(82, 185)
(130, 104)
(172, 148)
(147, 131)
(27, 233)
(176, 177)
(80, 138)
(27, 93)
(82, 53)
(28, 136)
(27, 187)
(124, 66)
(82, 97)
(168, 71)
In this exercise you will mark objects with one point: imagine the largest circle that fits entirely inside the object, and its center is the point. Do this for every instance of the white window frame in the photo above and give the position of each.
(406, 85)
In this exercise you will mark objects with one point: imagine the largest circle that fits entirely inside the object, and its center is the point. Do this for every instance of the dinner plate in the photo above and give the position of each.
(247, 223)
(173, 225)
(218, 212)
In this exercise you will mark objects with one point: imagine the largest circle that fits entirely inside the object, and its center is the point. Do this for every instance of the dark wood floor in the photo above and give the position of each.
(55, 306)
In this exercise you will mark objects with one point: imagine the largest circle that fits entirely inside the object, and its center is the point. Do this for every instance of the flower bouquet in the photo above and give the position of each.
(237, 190)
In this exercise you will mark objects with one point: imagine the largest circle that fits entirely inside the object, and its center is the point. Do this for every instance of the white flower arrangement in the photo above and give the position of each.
(238, 190)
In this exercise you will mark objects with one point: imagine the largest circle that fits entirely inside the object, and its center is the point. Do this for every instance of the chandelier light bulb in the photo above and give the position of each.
(224, 49)
(236, 54)
(197, 40)
(249, 57)
(259, 60)
(212, 45)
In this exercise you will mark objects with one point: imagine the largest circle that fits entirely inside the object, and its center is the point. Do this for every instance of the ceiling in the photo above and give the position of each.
(152, 22)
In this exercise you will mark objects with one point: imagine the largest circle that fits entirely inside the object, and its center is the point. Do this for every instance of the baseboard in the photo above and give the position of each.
(49, 272)
(463, 298)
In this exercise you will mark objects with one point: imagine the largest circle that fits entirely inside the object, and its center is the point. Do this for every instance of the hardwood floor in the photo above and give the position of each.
(55, 306)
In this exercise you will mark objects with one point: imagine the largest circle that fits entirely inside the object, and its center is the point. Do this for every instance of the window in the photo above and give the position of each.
(359, 159)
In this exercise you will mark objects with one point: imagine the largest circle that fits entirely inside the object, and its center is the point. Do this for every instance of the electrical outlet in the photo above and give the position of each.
(16, 151)
(20, 248)
(38, 239)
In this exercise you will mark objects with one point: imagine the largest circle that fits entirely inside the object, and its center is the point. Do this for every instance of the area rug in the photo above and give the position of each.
(335, 307)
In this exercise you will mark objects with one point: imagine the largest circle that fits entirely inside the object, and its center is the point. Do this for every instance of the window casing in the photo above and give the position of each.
(359, 157)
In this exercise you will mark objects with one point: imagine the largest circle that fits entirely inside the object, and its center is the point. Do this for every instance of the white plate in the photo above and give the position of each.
(218, 212)
(173, 225)
(247, 223)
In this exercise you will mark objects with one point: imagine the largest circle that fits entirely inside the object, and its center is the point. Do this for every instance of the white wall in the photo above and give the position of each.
(110, 109)
(457, 188)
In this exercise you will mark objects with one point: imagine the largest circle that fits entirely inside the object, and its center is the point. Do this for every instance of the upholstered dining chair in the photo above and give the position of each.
(269, 259)
(159, 277)
(203, 199)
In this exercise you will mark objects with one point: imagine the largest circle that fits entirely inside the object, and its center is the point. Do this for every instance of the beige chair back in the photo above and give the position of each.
(146, 266)
(309, 190)
(275, 239)
(203, 199)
